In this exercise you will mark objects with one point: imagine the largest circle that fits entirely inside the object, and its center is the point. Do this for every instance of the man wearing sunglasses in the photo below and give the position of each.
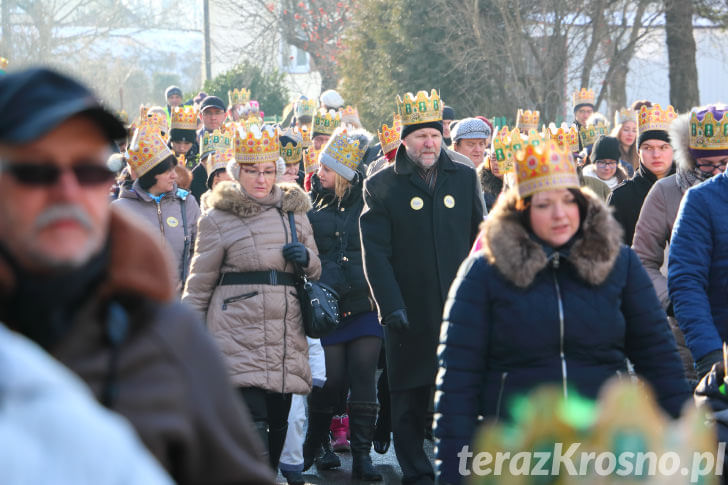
(92, 287)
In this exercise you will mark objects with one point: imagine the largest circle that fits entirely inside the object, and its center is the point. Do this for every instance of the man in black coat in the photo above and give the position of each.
(420, 219)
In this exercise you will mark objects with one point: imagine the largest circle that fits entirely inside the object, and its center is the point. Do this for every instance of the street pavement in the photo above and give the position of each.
(384, 464)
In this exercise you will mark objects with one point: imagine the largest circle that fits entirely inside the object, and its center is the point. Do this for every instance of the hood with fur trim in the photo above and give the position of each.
(229, 196)
(680, 141)
(509, 247)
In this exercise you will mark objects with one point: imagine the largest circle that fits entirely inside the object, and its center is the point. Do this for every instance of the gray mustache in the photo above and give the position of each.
(63, 211)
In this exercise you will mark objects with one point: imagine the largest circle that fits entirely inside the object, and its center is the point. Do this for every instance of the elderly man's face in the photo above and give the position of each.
(63, 222)
(423, 146)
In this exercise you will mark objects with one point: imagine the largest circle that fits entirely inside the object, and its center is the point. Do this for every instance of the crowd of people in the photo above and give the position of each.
(161, 261)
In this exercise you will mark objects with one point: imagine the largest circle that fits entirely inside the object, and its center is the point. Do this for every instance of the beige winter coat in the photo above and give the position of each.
(258, 327)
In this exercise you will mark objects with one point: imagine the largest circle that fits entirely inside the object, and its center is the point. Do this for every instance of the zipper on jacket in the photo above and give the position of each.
(500, 395)
(233, 299)
(159, 216)
(284, 221)
(555, 263)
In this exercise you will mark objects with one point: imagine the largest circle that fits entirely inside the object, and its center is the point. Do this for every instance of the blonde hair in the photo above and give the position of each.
(630, 155)
(341, 186)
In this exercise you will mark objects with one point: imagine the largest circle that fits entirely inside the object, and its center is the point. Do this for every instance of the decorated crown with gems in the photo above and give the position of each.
(350, 115)
(310, 160)
(709, 128)
(292, 152)
(146, 150)
(157, 121)
(343, 154)
(305, 107)
(501, 147)
(389, 137)
(544, 167)
(256, 145)
(3, 63)
(566, 136)
(306, 136)
(218, 140)
(655, 118)
(527, 120)
(219, 159)
(584, 96)
(184, 118)
(238, 96)
(325, 122)
(588, 134)
(624, 115)
(422, 108)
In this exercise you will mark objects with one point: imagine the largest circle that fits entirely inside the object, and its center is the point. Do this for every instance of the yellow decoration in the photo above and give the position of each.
(350, 115)
(389, 137)
(342, 153)
(708, 133)
(238, 96)
(292, 152)
(218, 140)
(566, 136)
(146, 150)
(310, 160)
(325, 122)
(589, 133)
(527, 120)
(544, 167)
(421, 108)
(256, 145)
(417, 203)
(184, 118)
(584, 96)
(655, 118)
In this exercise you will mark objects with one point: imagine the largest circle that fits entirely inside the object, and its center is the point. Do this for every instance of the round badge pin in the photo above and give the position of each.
(172, 221)
(449, 201)
(416, 203)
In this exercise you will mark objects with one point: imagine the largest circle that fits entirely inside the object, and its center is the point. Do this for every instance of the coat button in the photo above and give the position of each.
(342, 209)
(336, 233)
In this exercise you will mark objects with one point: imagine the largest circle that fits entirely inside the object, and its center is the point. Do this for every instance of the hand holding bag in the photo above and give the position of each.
(319, 303)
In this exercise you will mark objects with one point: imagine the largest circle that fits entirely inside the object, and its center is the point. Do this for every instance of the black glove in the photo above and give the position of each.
(397, 320)
(295, 252)
(705, 363)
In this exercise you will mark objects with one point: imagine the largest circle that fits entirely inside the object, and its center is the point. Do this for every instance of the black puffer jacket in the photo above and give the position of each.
(336, 230)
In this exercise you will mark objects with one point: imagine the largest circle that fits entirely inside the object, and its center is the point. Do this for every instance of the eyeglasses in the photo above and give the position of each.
(662, 148)
(604, 163)
(269, 174)
(46, 175)
(712, 167)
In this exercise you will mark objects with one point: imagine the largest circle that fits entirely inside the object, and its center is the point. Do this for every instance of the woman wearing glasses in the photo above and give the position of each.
(155, 197)
(242, 281)
(605, 162)
(654, 226)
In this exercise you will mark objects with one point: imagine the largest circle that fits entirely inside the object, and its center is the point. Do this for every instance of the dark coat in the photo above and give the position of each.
(492, 186)
(627, 199)
(503, 335)
(412, 244)
(336, 230)
(199, 181)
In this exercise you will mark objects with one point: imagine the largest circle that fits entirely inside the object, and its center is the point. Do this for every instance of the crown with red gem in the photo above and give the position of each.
(584, 96)
(146, 150)
(527, 120)
(655, 118)
(422, 108)
(256, 145)
(292, 152)
(350, 115)
(389, 137)
(184, 118)
(157, 121)
(310, 160)
(544, 167)
(566, 136)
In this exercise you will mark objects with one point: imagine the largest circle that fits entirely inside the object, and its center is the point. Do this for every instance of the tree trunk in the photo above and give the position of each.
(617, 90)
(6, 44)
(681, 54)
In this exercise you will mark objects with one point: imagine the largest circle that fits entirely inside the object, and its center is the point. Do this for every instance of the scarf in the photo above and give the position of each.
(273, 199)
(688, 178)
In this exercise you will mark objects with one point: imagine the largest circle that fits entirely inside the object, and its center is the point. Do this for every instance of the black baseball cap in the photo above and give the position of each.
(35, 101)
(212, 101)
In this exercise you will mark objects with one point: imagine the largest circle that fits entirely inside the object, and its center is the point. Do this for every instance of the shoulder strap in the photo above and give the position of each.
(292, 223)
(186, 250)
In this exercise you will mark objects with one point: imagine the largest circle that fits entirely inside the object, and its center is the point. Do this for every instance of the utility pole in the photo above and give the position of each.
(6, 43)
(207, 59)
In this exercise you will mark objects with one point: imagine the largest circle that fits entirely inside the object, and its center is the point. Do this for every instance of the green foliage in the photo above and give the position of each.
(265, 87)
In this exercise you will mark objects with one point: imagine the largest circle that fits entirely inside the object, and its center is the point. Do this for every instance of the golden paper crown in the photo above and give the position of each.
(218, 140)
(310, 160)
(501, 147)
(707, 132)
(292, 152)
(325, 122)
(389, 137)
(624, 115)
(250, 121)
(350, 115)
(257, 145)
(306, 135)
(420, 109)
(544, 167)
(305, 107)
(3, 63)
(157, 121)
(219, 159)
(655, 118)
(527, 120)
(588, 134)
(238, 96)
(146, 150)
(584, 96)
(566, 136)
(184, 118)
(343, 154)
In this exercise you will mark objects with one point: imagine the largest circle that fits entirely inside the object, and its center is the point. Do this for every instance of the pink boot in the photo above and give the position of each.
(339, 430)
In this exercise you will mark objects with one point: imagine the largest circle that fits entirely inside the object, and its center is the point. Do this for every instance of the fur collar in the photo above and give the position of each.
(229, 197)
(680, 140)
(490, 183)
(508, 246)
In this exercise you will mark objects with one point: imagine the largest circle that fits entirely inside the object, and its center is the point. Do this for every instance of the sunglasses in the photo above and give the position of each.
(46, 175)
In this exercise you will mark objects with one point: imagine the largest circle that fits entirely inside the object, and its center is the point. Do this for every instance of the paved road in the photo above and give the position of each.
(384, 464)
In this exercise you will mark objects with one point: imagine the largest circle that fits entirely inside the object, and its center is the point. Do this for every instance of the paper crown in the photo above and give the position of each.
(238, 96)
(253, 106)
(146, 150)
(3, 63)
(527, 120)
(566, 136)
(342, 153)
(707, 132)
(256, 145)
(325, 122)
(544, 167)
(588, 134)
(292, 152)
(507, 142)
(184, 118)
(156, 121)
(389, 137)
(655, 118)
(218, 140)
(306, 135)
(584, 96)
(221, 156)
(421, 108)
(624, 115)
(310, 160)
(350, 115)
(305, 107)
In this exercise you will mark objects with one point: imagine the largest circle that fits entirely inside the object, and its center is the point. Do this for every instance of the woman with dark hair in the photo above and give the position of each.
(155, 197)
(553, 297)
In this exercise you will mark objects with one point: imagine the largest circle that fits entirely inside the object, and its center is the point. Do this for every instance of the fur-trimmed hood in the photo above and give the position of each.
(229, 196)
(508, 245)
(680, 140)
(489, 181)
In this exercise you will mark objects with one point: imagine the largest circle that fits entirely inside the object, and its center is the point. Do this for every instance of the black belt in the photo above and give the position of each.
(271, 277)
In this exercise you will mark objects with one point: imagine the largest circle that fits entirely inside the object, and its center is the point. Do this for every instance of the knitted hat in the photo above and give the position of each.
(606, 147)
(331, 99)
(172, 90)
(470, 128)
(448, 113)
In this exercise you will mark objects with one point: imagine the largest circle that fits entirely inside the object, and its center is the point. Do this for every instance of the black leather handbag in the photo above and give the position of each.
(319, 302)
